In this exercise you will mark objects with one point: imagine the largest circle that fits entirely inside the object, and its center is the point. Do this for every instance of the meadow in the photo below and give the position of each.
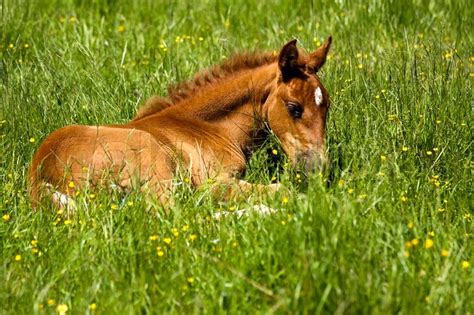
(387, 228)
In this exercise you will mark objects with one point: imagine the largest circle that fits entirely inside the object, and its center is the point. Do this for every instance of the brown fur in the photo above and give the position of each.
(220, 112)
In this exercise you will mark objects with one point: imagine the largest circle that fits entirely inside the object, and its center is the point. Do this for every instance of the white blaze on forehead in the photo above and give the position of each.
(318, 96)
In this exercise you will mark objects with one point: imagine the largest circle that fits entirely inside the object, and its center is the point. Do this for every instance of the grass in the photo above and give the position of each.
(388, 229)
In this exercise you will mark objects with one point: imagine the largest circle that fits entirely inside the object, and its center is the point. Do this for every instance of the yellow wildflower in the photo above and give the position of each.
(175, 232)
(444, 253)
(350, 190)
(35, 250)
(465, 264)
(62, 308)
(184, 228)
(404, 149)
(11, 46)
(160, 253)
(93, 306)
(403, 198)
(34, 242)
(200, 39)
(360, 66)
(71, 184)
(130, 203)
(32, 140)
(274, 152)
(121, 29)
(167, 240)
(406, 254)
(51, 302)
(414, 242)
(383, 158)
(153, 237)
(190, 280)
(408, 245)
(410, 225)
(285, 200)
(431, 233)
(67, 222)
(6, 217)
(435, 149)
(429, 153)
(340, 183)
(192, 237)
(26, 45)
(114, 206)
(18, 258)
(429, 243)
(72, 19)
(283, 222)
(91, 196)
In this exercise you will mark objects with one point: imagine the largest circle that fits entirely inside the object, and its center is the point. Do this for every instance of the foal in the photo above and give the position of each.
(204, 127)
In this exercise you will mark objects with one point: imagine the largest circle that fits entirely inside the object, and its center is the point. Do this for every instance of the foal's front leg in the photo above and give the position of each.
(228, 187)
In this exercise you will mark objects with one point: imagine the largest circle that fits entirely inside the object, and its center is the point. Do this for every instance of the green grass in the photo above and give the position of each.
(400, 75)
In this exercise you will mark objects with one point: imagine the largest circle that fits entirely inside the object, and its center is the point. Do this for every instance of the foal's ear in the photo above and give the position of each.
(288, 59)
(318, 58)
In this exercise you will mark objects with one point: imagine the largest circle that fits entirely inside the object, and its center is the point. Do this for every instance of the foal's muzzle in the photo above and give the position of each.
(312, 161)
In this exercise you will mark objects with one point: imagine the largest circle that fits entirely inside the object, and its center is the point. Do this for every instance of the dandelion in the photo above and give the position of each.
(121, 29)
(190, 280)
(438, 122)
(175, 232)
(186, 180)
(130, 203)
(51, 302)
(32, 140)
(429, 243)
(274, 152)
(167, 240)
(403, 198)
(283, 222)
(72, 19)
(26, 45)
(444, 253)
(62, 308)
(377, 97)
(429, 153)
(360, 66)
(410, 225)
(18, 258)
(62, 19)
(392, 117)
(200, 39)
(34, 242)
(114, 206)
(414, 242)
(350, 190)
(184, 228)
(11, 46)
(6, 217)
(93, 306)
(404, 149)
(71, 185)
(406, 254)
(285, 200)
(465, 264)
(431, 233)
(340, 183)
(91, 196)
(232, 208)
(435, 149)
(192, 237)
(153, 237)
(67, 222)
(35, 250)
(160, 253)
(408, 245)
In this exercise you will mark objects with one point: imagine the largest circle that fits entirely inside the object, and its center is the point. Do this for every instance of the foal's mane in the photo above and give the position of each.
(185, 89)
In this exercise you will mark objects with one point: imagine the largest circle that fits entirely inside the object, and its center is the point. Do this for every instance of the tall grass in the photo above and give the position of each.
(387, 229)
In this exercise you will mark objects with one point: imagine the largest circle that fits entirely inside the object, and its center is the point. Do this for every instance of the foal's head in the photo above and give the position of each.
(298, 106)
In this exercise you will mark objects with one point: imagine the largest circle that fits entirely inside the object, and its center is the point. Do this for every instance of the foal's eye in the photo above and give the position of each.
(295, 110)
